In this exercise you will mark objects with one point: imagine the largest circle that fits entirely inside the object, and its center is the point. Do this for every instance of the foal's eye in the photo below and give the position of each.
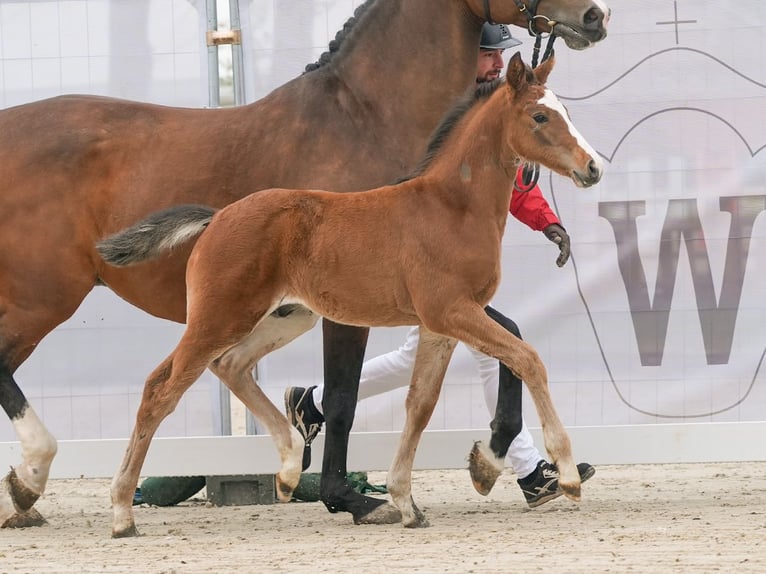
(540, 118)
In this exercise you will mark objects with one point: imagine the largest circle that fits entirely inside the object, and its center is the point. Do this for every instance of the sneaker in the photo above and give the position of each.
(303, 415)
(543, 484)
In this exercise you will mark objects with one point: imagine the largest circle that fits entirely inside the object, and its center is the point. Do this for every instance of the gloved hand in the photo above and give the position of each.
(560, 237)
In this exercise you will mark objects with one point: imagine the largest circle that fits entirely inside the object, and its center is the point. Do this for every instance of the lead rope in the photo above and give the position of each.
(548, 48)
(530, 172)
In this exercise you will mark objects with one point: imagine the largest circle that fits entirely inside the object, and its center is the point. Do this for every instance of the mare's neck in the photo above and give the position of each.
(397, 51)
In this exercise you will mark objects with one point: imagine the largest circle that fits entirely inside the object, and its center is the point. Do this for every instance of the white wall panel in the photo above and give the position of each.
(85, 379)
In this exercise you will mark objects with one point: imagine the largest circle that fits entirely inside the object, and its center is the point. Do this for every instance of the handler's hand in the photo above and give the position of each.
(560, 237)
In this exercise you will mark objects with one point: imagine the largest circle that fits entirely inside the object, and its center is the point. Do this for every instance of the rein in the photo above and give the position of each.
(530, 172)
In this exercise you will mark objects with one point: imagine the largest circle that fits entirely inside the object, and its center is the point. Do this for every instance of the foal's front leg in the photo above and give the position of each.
(467, 322)
(486, 463)
(434, 353)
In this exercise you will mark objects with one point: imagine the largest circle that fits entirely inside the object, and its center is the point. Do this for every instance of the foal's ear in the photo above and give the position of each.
(516, 75)
(544, 69)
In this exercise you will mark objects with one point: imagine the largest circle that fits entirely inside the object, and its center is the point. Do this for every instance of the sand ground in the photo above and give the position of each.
(645, 519)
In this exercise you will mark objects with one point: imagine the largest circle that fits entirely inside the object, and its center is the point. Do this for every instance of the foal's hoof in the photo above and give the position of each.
(484, 468)
(129, 532)
(25, 519)
(419, 520)
(284, 488)
(571, 491)
(386, 513)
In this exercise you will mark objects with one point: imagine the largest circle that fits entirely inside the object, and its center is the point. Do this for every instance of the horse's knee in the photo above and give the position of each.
(506, 323)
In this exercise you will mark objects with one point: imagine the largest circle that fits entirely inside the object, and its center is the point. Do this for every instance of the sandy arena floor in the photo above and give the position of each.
(645, 519)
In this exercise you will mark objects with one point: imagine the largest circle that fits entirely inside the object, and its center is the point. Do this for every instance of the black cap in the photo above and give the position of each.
(496, 37)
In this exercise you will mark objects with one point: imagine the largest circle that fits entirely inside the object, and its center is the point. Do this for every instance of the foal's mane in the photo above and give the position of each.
(482, 92)
(335, 44)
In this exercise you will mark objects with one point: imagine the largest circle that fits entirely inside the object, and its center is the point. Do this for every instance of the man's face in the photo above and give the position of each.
(490, 65)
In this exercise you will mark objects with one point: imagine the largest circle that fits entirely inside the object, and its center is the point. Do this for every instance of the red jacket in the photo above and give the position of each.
(531, 208)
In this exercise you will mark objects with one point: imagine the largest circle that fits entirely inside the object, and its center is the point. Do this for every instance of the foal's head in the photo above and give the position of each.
(539, 129)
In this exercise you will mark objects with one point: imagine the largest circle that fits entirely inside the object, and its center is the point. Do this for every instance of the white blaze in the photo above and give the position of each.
(549, 100)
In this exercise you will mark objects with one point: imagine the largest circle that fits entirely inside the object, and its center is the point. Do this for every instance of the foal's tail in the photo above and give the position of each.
(156, 234)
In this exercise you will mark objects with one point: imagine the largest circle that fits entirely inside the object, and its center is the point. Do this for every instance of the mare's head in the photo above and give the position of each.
(538, 127)
(581, 23)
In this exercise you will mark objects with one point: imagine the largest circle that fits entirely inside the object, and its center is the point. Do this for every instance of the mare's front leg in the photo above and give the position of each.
(344, 348)
(23, 485)
(486, 464)
(431, 361)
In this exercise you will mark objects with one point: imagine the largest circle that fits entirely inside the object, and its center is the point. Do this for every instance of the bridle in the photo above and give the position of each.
(530, 172)
(530, 11)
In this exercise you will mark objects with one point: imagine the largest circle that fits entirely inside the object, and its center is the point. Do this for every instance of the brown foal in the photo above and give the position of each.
(423, 252)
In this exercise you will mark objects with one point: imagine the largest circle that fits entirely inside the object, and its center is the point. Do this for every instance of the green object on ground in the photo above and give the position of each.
(170, 490)
(308, 487)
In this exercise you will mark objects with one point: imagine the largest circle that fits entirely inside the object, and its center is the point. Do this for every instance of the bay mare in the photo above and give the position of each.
(75, 169)
(423, 252)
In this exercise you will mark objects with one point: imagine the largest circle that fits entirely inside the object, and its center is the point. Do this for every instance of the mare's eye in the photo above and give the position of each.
(540, 118)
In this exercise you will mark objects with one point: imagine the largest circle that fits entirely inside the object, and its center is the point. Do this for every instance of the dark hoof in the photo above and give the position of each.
(484, 473)
(25, 519)
(23, 497)
(386, 513)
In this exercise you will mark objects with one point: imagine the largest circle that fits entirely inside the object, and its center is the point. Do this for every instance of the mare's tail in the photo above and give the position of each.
(155, 234)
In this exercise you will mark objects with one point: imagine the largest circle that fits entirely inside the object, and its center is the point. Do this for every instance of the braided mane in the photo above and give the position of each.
(335, 44)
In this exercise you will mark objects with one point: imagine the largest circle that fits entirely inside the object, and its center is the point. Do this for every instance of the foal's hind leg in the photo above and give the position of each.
(162, 391)
(434, 352)
(468, 322)
(486, 464)
(235, 369)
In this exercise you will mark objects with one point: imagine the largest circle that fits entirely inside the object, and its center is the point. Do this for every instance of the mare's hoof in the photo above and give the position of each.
(483, 468)
(386, 513)
(25, 519)
(130, 532)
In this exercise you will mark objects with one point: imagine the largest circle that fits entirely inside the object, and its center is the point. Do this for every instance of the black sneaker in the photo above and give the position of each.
(543, 484)
(304, 416)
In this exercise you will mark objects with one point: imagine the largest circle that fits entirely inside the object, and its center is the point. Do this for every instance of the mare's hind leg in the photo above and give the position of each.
(468, 322)
(486, 464)
(27, 313)
(433, 355)
(21, 488)
(343, 356)
(235, 367)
